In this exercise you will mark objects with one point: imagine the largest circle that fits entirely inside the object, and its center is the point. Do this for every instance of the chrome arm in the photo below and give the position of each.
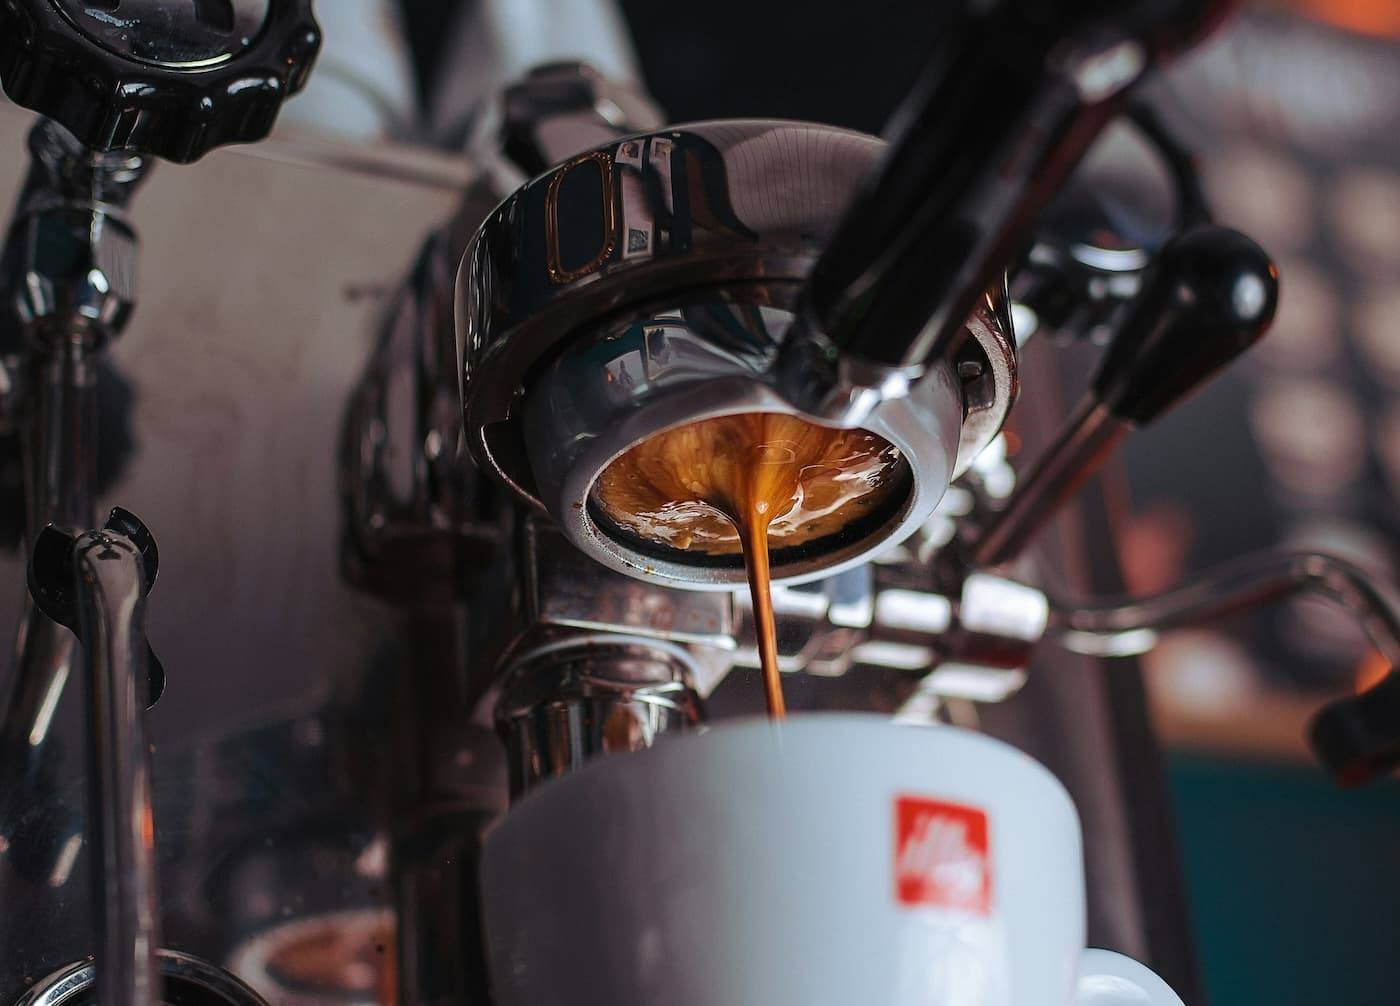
(1356, 738)
(96, 583)
(111, 589)
(1132, 627)
(1090, 434)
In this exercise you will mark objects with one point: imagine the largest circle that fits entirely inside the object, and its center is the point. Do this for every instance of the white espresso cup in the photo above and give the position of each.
(830, 860)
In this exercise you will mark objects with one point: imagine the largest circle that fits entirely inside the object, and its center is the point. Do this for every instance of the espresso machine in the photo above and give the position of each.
(354, 406)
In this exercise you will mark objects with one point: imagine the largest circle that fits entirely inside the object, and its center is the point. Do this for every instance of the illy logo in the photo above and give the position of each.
(940, 857)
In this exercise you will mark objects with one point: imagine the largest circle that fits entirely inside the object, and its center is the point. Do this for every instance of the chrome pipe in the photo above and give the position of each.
(588, 695)
(1090, 434)
(1132, 627)
(61, 469)
(60, 483)
(110, 587)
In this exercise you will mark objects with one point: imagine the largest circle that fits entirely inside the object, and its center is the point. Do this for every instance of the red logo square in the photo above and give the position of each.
(940, 856)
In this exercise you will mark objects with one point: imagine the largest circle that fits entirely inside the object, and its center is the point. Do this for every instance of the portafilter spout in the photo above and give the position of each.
(648, 284)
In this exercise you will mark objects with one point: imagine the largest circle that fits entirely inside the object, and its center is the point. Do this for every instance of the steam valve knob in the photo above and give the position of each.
(170, 78)
(1208, 296)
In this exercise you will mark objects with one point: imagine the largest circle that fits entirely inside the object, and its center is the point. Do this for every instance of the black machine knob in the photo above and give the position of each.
(1357, 739)
(1208, 296)
(172, 78)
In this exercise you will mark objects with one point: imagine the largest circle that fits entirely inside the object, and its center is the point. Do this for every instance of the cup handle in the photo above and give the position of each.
(1109, 979)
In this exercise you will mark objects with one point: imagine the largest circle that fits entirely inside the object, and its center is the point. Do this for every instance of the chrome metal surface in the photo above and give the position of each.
(110, 587)
(61, 487)
(686, 216)
(95, 583)
(70, 259)
(62, 165)
(234, 380)
(414, 515)
(973, 643)
(1242, 585)
(185, 981)
(175, 35)
(587, 696)
(565, 588)
(495, 41)
(986, 365)
(555, 111)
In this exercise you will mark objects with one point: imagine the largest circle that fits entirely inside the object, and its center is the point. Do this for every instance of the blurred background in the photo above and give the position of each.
(1294, 116)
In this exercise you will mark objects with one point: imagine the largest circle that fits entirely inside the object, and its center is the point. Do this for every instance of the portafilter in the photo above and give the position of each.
(647, 284)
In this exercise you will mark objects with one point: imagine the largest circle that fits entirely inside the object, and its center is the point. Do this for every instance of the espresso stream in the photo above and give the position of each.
(745, 484)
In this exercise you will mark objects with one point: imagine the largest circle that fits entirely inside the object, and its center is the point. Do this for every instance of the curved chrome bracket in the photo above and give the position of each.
(986, 364)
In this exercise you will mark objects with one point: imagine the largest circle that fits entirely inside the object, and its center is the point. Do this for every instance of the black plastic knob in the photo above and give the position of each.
(1357, 739)
(1208, 296)
(170, 78)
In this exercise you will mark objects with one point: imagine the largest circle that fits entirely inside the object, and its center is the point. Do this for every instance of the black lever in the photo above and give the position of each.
(1209, 295)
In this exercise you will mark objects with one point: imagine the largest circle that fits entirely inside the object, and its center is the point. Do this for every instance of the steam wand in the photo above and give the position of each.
(95, 583)
(1357, 738)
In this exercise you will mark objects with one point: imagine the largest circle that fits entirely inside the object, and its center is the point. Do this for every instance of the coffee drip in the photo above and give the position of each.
(746, 485)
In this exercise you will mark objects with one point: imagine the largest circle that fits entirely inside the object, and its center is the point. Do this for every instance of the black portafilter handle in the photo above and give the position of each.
(1208, 296)
(169, 78)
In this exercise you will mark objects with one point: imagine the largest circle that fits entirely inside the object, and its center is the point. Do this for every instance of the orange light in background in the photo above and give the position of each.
(1379, 18)
(1371, 670)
